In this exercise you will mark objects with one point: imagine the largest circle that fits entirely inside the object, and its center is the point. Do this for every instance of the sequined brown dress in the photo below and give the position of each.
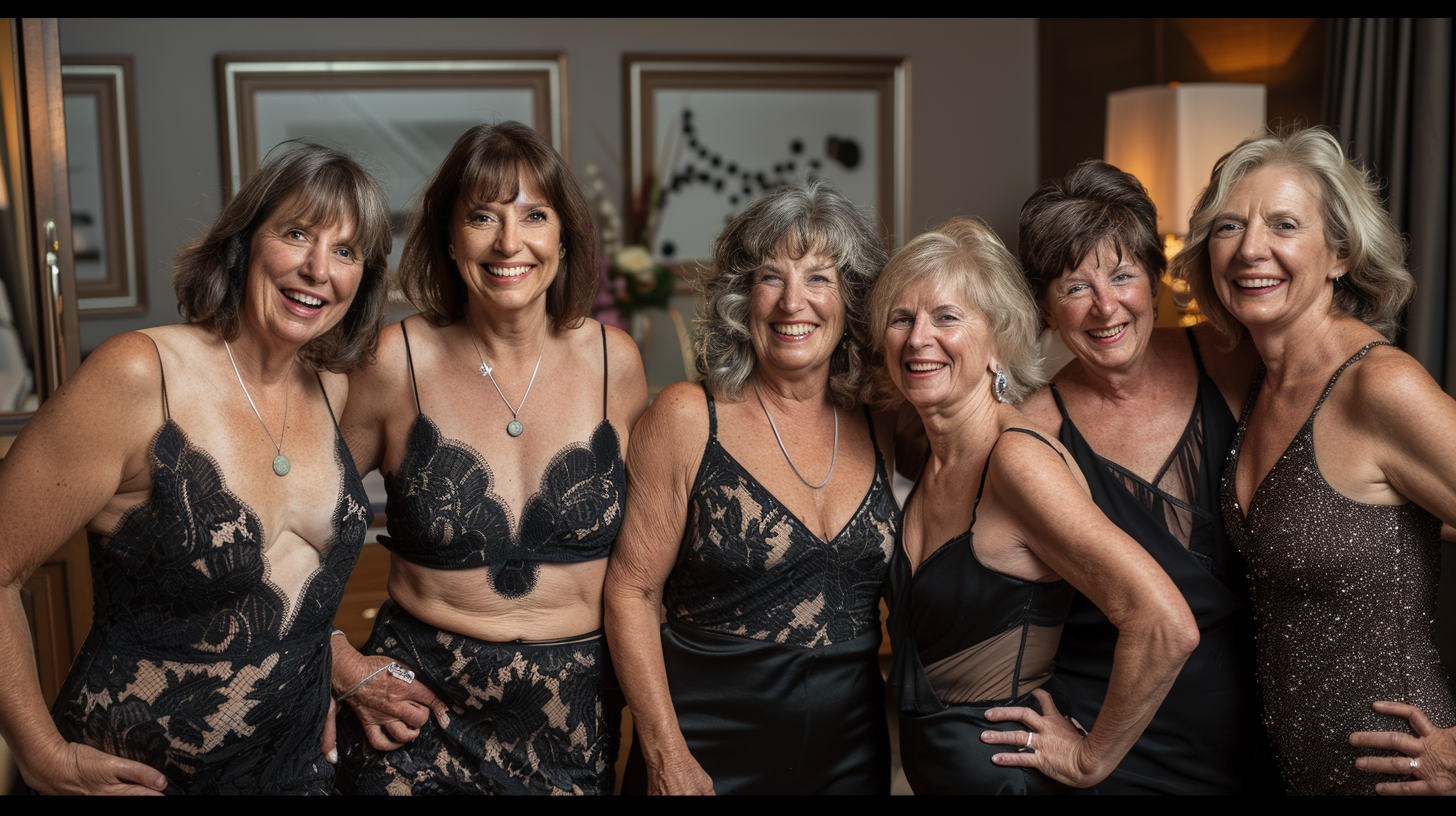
(1344, 598)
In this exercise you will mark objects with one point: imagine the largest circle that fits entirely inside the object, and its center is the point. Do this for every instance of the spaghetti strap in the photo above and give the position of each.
(327, 403)
(410, 360)
(986, 468)
(1197, 352)
(604, 372)
(1354, 358)
(712, 412)
(166, 409)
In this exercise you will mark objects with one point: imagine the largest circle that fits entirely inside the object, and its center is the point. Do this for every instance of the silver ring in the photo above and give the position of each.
(400, 672)
(1029, 735)
(1414, 763)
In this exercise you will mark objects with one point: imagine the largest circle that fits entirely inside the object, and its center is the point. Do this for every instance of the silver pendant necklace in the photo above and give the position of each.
(281, 465)
(832, 457)
(514, 427)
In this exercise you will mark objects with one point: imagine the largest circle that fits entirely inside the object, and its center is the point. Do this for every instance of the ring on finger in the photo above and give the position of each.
(400, 672)
(1414, 763)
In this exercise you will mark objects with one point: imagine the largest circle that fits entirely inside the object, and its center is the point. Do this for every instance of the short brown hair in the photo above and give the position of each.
(486, 165)
(325, 185)
(1070, 218)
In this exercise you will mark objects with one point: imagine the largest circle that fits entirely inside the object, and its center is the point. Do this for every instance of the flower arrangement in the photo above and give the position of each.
(632, 280)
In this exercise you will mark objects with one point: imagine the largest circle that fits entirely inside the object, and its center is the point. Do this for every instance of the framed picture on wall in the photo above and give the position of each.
(400, 112)
(715, 132)
(105, 184)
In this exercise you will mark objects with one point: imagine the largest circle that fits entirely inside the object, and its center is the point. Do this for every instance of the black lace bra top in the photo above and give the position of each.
(748, 567)
(443, 512)
(197, 664)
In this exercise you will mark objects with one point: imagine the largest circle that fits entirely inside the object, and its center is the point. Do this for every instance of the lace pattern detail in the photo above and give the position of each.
(444, 513)
(524, 718)
(196, 665)
(749, 568)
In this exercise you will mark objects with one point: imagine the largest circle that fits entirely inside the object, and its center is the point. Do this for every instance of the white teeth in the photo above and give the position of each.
(305, 299)
(1108, 332)
(925, 366)
(794, 329)
(1258, 283)
(507, 271)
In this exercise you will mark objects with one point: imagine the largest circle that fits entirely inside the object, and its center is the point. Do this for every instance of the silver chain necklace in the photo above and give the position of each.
(514, 427)
(832, 458)
(281, 465)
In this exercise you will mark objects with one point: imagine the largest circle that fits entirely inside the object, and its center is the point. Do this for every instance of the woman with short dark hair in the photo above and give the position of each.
(762, 517)
(223, 508)
(497, 416)
(1148, 414)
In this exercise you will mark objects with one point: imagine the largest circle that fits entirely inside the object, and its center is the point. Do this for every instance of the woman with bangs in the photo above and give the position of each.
(222, 506)
(498, 416)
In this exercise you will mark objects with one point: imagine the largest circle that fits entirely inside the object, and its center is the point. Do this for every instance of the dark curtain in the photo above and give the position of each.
(1390, 95)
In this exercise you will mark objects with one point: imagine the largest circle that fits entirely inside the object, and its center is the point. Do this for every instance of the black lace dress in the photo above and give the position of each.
(968, 638)
(196, 664)
(772, 638)
(526, 717)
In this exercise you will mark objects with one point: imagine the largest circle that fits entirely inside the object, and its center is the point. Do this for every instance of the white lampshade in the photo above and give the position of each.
(1169, 136)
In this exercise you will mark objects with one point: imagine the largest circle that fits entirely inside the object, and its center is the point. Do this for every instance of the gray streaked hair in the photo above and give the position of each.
(1376, 285)
(794, 220)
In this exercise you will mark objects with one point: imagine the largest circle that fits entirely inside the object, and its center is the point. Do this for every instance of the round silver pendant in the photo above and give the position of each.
(515, 428)
(281, 465)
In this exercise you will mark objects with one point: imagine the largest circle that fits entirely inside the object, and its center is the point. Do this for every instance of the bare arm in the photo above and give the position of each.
(391, 710)
(1402, 408)
(662, 462)
(71, 459)
(1156, 630)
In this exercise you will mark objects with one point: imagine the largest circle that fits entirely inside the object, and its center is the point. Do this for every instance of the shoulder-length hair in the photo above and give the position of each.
(1070, 218)
(793, 220)
(487, 165)
(965, 255)
(1376, 285)
(322, 186)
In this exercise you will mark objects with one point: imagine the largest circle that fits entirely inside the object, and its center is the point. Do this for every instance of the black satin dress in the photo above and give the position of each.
(1206, 738)
(968, 638)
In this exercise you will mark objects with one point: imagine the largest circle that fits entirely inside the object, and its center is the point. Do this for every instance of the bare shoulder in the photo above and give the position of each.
(627, 380)
(1041, 409)
(390, 367)
(124, 371)
(674, 427)
(1029, 457)
(1390, 392)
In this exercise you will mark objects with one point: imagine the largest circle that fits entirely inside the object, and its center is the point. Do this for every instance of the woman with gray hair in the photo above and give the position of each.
(761, 515)
(979, 588)
(1341, 470)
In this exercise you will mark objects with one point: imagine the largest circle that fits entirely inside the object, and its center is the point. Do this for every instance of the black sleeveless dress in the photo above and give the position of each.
(1344, 598)
(527, 717)
(773, 636)
(968, 638)
(1206, 737)
(196, 664)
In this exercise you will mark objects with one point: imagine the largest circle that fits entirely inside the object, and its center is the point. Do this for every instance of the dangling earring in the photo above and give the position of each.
(999, 388)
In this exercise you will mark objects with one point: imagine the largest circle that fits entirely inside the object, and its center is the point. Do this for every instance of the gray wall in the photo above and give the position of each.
(973, 133)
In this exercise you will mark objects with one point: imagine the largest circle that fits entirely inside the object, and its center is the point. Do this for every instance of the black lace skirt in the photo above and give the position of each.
(525, 717)
(765, 718)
